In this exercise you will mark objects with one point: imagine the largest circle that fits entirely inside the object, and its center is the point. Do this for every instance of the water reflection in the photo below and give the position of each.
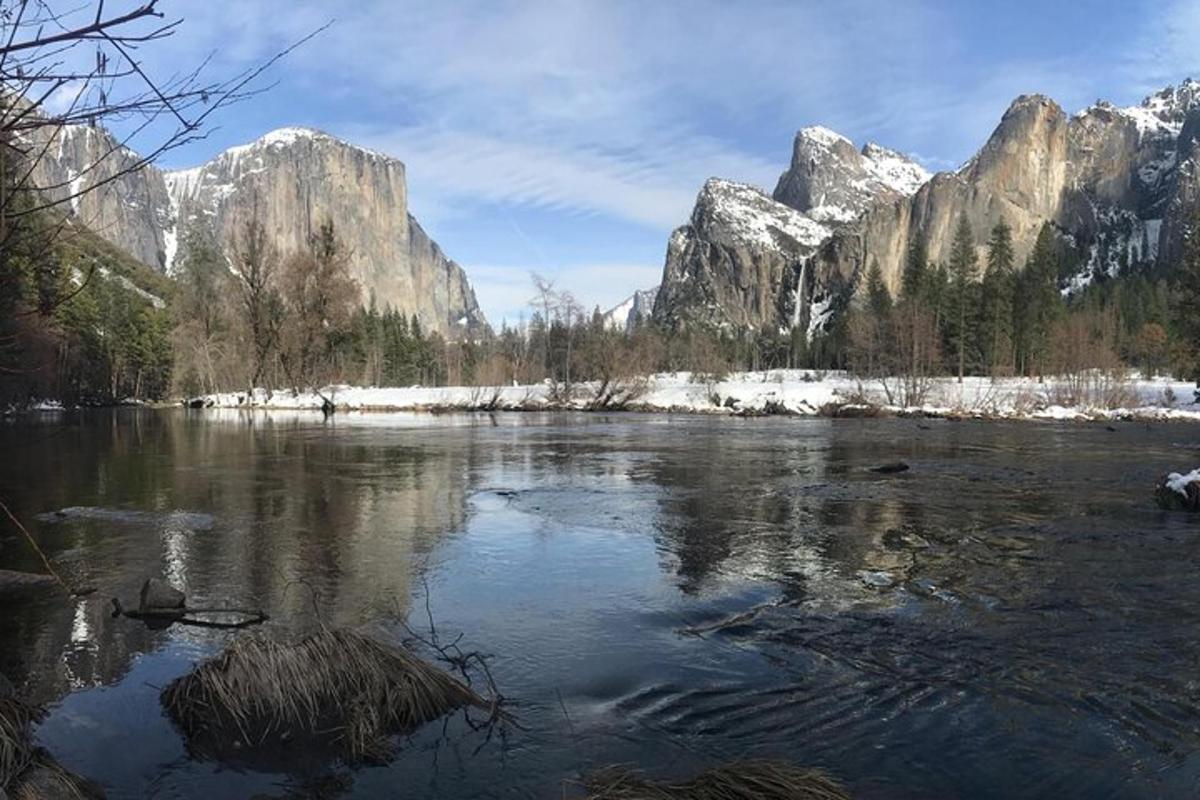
(671, 591)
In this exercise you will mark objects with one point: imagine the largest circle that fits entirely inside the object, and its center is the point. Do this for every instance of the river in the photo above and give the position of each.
(1010, 617)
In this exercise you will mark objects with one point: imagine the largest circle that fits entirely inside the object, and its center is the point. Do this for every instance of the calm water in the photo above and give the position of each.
(1012, 617)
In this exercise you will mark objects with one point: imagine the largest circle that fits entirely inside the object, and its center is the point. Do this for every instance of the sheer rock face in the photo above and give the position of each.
(743, 260)
(132, 211)
(1115, 182)
(300, 177)
(738, 262)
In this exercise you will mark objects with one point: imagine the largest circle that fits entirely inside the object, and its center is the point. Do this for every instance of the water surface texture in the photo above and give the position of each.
(1011, 617)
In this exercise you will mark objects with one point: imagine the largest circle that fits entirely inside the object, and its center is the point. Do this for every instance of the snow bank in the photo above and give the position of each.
(795, 392)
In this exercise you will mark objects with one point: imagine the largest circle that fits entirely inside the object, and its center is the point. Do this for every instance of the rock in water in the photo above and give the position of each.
(891, 468)
(1176, 492)
(158, 595)
(18, 585)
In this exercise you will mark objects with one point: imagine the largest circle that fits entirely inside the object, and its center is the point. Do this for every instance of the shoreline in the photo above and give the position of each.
(787, 393)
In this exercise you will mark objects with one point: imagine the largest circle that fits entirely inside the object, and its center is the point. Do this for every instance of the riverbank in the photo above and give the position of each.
(774, 392)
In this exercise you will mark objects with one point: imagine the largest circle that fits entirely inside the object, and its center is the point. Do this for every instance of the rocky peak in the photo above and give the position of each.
(739, 262)
(297, 178)
(127, 208)
(746, 215)
(834, 182)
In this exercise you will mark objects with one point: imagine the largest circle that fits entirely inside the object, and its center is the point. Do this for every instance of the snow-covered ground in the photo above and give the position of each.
(776, 391)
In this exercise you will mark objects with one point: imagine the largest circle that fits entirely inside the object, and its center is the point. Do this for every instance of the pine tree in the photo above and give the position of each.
(916, 266)
(1185, 305)
(879, 300)
(997, 299)
(1037, 304)
(963, 268)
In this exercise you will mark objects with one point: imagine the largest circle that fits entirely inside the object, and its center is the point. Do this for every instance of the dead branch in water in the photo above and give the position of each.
(462, 661)
(45, 561)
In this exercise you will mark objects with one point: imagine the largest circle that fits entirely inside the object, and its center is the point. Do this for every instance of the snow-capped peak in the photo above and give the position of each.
(1161, 114)
(750, 214)
(894, 169)
(822, 135)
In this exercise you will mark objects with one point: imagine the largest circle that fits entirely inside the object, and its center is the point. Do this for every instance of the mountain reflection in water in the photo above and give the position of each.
(1011, 617)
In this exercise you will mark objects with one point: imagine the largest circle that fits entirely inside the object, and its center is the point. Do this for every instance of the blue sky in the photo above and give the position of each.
(571, 137)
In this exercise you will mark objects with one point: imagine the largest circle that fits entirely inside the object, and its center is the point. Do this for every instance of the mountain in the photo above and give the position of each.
(297, 177)
(833, 182)
(738, 262)
(1116, 183)
(742, 260)
(128, 209)
(632, 311)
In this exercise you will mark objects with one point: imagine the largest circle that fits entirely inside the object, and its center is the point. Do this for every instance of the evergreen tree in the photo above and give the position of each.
(997, 299)
(916, 267)
(879, 300)
(1037, 304)
(1185, 304)
(963, 268)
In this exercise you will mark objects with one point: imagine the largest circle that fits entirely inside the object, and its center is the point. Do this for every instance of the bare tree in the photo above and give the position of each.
(545, 303)
(319, 295)
(255, 263)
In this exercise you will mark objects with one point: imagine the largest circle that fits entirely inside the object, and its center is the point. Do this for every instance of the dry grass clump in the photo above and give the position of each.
(27, 772)
(261, 692)
(747, 780)
(45, 779)
(16, 743)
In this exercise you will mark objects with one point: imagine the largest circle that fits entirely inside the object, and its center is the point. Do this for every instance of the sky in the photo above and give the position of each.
(569, 137)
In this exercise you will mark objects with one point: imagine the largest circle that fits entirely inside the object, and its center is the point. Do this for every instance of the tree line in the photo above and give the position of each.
(78, 321)
(992, 319)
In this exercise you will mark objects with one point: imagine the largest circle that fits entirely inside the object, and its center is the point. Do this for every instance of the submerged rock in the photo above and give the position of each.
(879, 580)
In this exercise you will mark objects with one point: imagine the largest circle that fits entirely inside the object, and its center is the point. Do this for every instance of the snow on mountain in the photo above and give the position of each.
(749, 215)
(833, 182)
(632, 311)
(893, 169)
